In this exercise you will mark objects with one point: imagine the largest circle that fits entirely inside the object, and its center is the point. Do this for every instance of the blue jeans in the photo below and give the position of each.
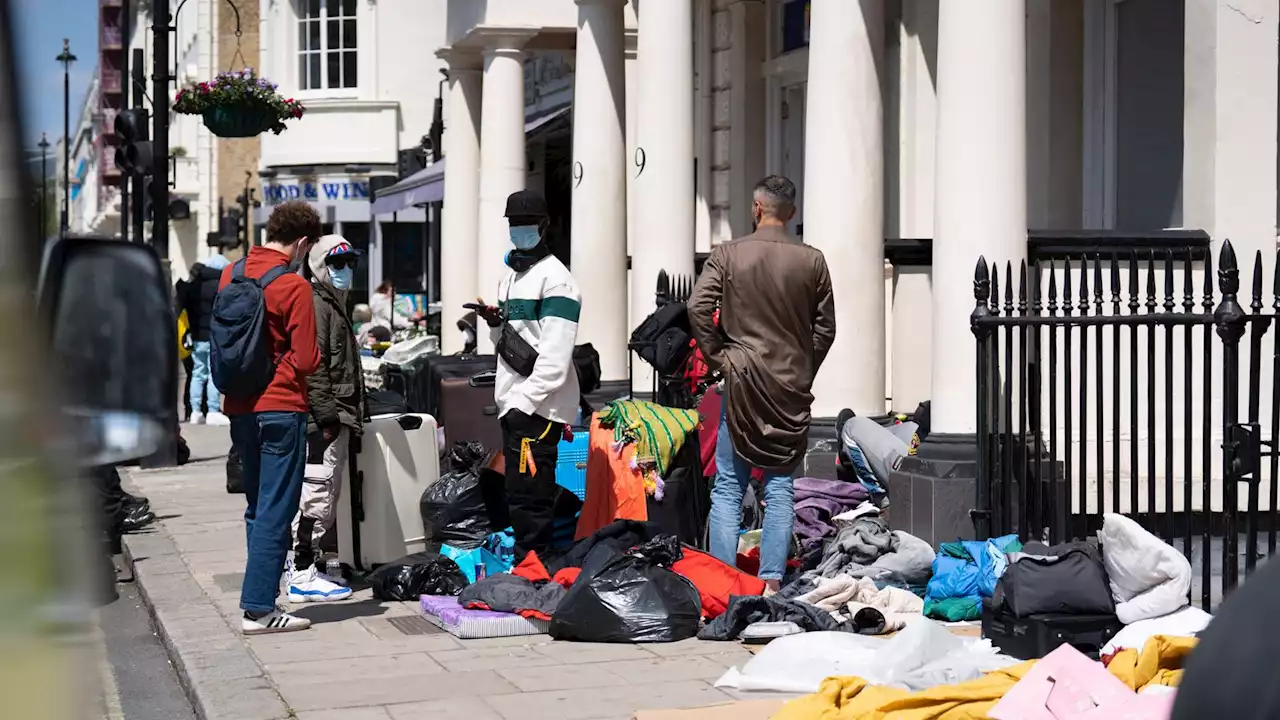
(273, 447)
(732, 476)
(202, 379)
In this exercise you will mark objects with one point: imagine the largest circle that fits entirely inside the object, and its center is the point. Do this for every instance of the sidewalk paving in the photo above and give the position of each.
(364, 659)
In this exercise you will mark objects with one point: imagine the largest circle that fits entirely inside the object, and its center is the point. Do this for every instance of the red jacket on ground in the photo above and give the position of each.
(291, 323)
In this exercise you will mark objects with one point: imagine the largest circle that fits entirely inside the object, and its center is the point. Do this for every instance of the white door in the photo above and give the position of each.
(793, 147)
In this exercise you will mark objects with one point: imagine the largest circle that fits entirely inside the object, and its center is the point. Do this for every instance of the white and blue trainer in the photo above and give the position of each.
(306, 586)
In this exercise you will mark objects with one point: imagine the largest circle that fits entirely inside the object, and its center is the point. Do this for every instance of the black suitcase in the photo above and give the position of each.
(410, 380)
(1035, 636)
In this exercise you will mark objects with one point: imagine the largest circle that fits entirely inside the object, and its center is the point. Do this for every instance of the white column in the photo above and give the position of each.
(664, 200)
(502, 159)
(981, 193)
(844, 196)
(458, 232)
(600, 184)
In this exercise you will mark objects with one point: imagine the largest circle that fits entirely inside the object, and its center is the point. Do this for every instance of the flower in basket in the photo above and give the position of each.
(238, 104)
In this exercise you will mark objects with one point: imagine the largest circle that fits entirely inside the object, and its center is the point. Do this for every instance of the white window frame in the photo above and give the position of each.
(1100, 78)
(300, 17)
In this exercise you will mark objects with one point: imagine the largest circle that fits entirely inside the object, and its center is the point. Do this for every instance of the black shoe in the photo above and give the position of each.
(136, 504)
(137, 519)
(841, 419)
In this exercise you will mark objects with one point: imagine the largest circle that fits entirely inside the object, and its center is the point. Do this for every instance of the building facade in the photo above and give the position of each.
(958, 125)
(366, 71)
(123, 29)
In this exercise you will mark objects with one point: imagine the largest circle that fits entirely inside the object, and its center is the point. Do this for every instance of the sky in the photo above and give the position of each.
(41, 25)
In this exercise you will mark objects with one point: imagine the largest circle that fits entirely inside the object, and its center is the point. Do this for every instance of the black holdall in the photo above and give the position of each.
(1071, 580)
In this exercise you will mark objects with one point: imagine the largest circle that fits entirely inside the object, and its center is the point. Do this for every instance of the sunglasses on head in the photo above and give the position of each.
(341, 262)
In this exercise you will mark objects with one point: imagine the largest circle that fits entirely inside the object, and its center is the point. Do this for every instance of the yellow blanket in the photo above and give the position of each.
(852, 698)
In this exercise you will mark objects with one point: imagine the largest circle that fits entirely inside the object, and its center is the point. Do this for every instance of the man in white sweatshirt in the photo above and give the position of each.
(537, 393)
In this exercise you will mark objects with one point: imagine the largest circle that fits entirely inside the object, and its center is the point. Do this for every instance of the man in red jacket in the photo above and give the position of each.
(269, 429)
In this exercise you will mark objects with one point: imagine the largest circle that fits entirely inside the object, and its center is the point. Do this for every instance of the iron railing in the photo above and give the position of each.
(1096, 394)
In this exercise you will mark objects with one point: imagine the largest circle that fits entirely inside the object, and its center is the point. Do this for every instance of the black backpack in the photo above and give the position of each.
(665, 338)
(242, 361)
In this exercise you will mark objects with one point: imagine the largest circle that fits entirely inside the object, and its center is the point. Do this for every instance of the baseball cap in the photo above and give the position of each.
(526, 203)
(342, 248)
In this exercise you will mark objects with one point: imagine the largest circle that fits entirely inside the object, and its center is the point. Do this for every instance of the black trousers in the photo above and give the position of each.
(530, 500)
(106, 480)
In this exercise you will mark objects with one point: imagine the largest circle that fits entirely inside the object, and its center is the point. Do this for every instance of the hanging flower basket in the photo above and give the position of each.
(238, 105)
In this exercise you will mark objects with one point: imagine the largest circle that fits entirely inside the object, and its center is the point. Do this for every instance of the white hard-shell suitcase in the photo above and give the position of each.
(391, 465)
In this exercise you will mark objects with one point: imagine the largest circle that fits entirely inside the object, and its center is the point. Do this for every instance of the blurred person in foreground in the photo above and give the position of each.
(336, 394)
(197, 299)
(269, 429)
(776, 324)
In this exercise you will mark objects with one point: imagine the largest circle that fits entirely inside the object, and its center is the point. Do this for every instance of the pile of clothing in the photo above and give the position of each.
(1137, 683)
(657, 432)
(626, 583)
(866, 580)
(964, 573)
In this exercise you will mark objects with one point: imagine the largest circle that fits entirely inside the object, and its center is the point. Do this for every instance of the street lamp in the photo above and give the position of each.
(66, 58)
(44, 185)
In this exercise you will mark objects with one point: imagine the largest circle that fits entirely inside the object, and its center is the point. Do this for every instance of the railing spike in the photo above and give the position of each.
(1188, 287)
(1097, 283)
(1053, 287)
(1207, 301)
(1256, 305)
(1084, 285)
(1151, 282)
(1168, 281)
(1228, 270)
(1134, 291)
(1022, 287)
(995, 289)
(1066, 286)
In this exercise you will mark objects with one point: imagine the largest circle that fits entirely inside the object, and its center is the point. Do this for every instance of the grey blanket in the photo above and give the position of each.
(869, 549)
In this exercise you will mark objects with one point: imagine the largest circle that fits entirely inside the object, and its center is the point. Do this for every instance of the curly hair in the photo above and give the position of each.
(291, 221)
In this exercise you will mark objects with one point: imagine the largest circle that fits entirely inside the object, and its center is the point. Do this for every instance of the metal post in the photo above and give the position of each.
(44, 186)
(167, 454)
(126, 81)
(139, 204)
(66, 58)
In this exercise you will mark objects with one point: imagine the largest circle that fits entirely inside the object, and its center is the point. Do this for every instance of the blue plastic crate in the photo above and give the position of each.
(571, 464)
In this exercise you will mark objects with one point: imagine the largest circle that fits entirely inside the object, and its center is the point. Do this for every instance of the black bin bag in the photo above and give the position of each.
(424, 573)
(629, 598)
(453, 508)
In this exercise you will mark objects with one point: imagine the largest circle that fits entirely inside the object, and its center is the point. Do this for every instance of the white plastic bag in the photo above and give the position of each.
(923, 655)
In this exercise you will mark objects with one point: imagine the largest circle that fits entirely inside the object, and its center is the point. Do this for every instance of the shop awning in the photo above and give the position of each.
(424, 186)
(427, 186)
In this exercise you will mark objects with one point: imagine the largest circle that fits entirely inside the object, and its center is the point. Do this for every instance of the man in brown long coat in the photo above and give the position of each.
(777, 322)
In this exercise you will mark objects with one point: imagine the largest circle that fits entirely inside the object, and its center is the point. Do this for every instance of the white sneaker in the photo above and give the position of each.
(338, 580)
(276, 621)
(197, 418)
(308, 586)
(217, 418)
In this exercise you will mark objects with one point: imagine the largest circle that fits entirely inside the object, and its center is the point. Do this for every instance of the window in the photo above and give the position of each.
(327, 57)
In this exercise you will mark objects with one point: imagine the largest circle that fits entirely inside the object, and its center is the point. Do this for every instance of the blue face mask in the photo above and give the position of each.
(341, 279)
(525, 237)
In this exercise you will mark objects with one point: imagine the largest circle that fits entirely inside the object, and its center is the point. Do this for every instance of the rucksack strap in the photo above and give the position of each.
(238, 269)
(272, 275)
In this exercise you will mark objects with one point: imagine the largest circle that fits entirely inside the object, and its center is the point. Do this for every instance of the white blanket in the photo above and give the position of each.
(1149, 578)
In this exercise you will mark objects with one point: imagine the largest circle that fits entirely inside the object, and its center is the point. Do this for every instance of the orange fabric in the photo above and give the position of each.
(567, 577)
(533, 615)
(531, 568)
(715, 581)
(615, 490)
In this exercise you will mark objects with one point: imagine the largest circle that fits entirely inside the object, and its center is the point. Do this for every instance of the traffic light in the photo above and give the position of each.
(134, 153)
(179, 208)
(409, 162)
